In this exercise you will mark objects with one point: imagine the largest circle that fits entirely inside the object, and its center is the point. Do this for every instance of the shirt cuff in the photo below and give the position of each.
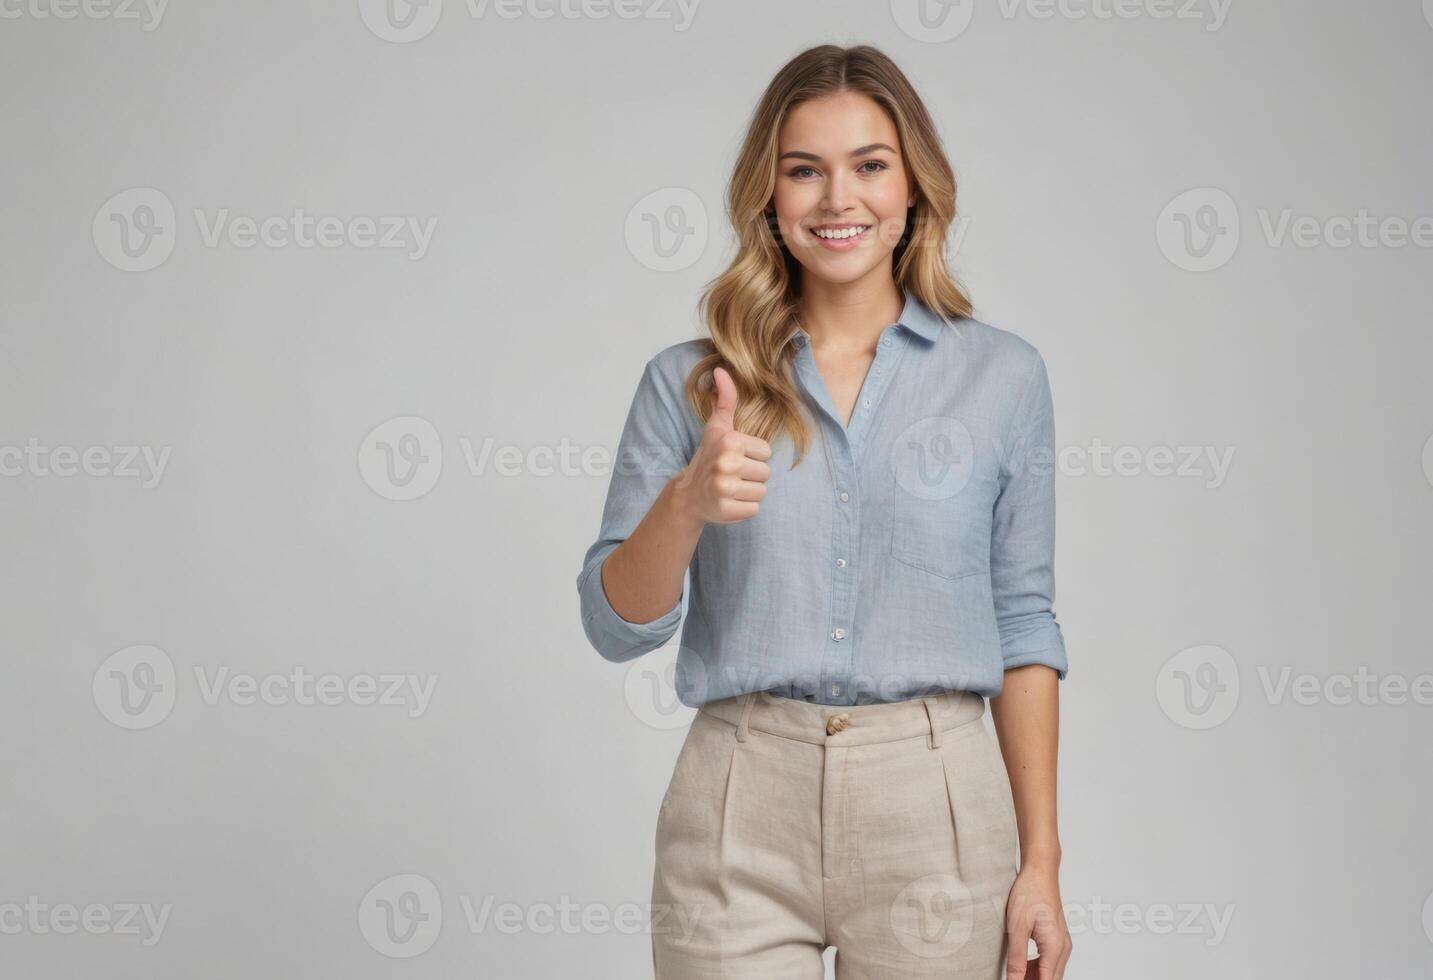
(1053, 657)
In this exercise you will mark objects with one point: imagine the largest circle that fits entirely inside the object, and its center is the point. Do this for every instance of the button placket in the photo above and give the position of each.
(846, 531)
(843, 451)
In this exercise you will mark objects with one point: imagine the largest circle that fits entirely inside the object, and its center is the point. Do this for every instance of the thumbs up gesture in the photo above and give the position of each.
(726, 478)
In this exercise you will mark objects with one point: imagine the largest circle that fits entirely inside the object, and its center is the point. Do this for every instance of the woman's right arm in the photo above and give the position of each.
(632, 578)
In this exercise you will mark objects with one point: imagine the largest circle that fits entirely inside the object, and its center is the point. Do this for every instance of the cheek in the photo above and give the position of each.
(889, 201)
(795, 202)
(889, 208)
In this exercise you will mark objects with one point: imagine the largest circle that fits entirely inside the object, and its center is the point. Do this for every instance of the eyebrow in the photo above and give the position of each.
(859, 151)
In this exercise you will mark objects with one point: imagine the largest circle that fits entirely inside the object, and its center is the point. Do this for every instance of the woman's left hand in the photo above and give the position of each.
(1034, 911)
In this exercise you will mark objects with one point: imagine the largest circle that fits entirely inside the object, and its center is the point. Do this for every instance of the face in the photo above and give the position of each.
(840, 170)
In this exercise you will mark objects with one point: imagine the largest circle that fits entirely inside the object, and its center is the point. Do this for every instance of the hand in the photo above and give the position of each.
(726, 478)
(1034, 911)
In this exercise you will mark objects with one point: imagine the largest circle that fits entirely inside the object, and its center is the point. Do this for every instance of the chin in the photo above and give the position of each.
(843, 271)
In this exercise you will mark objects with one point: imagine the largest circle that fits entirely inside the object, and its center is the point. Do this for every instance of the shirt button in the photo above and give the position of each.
(867, 403)
(837, 634)
(845, 496)
(840, 563)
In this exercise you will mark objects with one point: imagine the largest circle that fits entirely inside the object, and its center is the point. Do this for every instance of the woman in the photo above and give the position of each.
(850, 607)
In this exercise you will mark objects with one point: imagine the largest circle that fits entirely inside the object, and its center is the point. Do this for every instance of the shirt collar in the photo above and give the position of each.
(915, 317)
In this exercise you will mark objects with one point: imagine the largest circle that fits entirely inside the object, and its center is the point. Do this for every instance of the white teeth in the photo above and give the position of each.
(840, 233)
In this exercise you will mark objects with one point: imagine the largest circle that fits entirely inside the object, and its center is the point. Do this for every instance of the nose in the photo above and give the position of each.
(837, 196)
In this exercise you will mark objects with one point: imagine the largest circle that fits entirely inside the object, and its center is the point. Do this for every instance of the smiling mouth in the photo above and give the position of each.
(840, 234)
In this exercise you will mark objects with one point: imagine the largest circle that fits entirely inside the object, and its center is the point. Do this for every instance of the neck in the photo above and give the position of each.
(849, 316)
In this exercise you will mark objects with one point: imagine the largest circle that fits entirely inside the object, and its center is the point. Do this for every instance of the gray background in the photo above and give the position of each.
(274, 830)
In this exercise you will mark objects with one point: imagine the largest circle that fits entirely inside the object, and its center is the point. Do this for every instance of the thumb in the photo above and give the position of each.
(724, 411)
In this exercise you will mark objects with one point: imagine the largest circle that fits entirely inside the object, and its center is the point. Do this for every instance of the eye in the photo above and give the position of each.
(796, 171)
(879, 166)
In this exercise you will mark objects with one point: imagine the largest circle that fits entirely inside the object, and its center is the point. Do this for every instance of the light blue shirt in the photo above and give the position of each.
(909, 553)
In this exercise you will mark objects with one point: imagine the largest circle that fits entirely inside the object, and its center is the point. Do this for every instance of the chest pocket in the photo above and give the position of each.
(947, 537)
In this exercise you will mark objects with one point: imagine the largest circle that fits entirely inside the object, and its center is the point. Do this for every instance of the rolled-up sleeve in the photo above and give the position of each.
(1022, 543)
(651, 451)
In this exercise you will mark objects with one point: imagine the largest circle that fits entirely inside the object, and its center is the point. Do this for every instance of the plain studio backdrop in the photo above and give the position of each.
(320, 324)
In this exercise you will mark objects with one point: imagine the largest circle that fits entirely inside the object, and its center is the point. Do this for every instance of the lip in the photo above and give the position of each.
(844, 244)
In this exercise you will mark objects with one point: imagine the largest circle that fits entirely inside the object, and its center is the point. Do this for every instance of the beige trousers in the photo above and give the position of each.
(885, 830)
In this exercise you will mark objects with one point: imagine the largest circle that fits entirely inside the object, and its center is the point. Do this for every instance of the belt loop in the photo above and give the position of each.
(934, 728)
(742, 728)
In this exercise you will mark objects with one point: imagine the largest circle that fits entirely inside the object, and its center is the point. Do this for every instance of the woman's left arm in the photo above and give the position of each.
(1026, 714)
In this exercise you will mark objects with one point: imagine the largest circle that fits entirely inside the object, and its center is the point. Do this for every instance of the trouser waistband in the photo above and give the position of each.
(857, 724)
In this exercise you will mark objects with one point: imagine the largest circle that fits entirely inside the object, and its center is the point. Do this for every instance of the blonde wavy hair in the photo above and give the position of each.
(750, 309)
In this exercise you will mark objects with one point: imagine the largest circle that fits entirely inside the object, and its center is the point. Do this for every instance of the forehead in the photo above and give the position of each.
(836, 124)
